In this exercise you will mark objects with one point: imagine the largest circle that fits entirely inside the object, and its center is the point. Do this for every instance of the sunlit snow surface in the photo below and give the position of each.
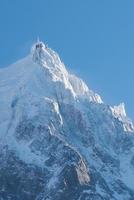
(46, 112)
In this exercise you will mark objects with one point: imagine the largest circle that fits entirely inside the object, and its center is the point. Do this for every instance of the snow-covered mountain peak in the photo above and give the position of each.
(51, 62)
(56, 135)
(37, 77)
(37, 50)
(120, 110)
(45, 56)
(120, 113)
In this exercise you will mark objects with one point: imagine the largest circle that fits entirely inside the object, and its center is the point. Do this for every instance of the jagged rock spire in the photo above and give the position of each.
(37, 49)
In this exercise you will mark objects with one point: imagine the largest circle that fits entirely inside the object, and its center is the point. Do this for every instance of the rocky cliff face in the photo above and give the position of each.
(58, 140)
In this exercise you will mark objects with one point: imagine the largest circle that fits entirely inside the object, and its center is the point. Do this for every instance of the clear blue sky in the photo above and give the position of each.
(95, 39)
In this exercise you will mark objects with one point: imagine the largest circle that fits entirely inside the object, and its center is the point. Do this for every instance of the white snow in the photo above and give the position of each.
(120, 113)
(39, 75)
(36, 86)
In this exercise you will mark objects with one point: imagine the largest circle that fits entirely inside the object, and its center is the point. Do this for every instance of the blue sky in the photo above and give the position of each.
(94, 38)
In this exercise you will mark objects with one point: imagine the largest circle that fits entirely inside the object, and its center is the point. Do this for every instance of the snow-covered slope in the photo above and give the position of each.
(58, 140)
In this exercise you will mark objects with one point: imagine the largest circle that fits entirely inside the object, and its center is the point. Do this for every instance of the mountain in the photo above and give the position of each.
(58, 139)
